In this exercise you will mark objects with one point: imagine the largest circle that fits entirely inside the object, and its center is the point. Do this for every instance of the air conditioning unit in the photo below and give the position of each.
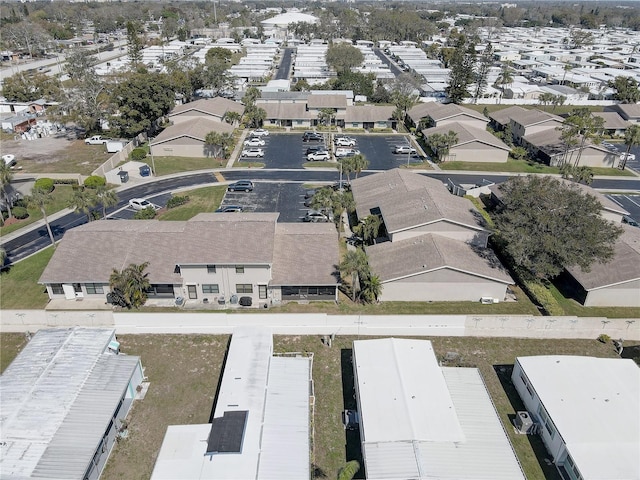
(488, 300)
(524, 423)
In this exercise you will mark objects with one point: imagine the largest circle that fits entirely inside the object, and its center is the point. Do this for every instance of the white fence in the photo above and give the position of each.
(523, 326)
(119, 157)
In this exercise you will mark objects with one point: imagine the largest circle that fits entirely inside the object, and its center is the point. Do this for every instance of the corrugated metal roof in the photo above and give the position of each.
(478, 448)
(58, 397)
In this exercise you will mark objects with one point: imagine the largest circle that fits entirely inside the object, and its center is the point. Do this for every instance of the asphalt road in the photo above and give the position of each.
(285, 65)
(631, 203)
(274, 197)
(392, 65)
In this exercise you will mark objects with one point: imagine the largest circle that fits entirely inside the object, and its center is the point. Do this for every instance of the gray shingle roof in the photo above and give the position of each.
(327, 101)
(305, 254)
(369, 113)
(408, 199)
(196, 128)
(623, 267)
(503, 116)
(612, 120)
(243, 238)
(216, 106)
(630, 110)
(467, 134)
(394, 260)
(534, 117)
(286, 111)
(440, 111)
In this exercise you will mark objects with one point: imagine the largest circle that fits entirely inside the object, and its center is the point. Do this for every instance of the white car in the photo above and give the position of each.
(141, 204)
(346, 152)
(9, 159)
(345, 142)
(254, 142)
(404, 149)
(260, 132)
(627, 156)
(319, 156)
(253, 152)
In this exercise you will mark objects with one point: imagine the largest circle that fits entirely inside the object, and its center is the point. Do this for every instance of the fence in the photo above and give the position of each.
(523, 326)
(120, 156)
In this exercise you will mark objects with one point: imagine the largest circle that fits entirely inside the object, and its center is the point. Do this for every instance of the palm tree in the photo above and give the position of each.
(442, 143)
(107, 198)
(347, 165)
(545, 99)
(371, 288)
(359, 163)
(505, 78)
(566, 68)
(583, 126)
(132, 283)
(6, 176)
(218, 144)
(631, 139)
(354, 264)
(369, 228)
(40, 199)
(232, 118)
(83, 200)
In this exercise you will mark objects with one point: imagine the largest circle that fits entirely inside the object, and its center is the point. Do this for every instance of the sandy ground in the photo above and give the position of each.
(40, 150)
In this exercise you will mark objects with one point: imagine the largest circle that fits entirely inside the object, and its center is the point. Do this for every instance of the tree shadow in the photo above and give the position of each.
(504, 373)
(353, 446)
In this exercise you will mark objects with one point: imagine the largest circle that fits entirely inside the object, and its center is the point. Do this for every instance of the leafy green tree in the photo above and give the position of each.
(145, 214)
(584, 126)
(216, 74)
(218, 144)
(461, 70)
(3, 257)
(141, 98)
(354, 264)
(627, 89)
(519, 153)
(218, 53)
(440, 144)
(403, 94)
(39, 199)
(631, 139)
(349, 470)
(27, 87)
(301, 86)
(106, 197)
(254, 116)
(580, 38)
(251, 95)
(83, 200)
(6, 177)
(360, 83)
(343, 57)
(326, 116)
(132, 283)
(548, 225)
(577, 174)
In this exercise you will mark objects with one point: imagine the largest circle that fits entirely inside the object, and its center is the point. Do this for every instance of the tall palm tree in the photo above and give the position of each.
(83, 200)
(132, 283)
(545, 99)
(360, 163)
(354, 264)
(40, 199)
(371, 288)
(232, 118)
(6, 176)
(505, 78)
(107, 198)
(631, 139)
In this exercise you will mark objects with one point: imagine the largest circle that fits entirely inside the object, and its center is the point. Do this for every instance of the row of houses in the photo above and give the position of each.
(416, 418)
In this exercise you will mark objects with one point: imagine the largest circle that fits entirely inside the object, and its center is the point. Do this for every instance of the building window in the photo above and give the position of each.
(93, 288)
(192, 291)
(56, 289)
(262, 291)
(211, 269)
(239, 269)
(244, 288)
(548, 424)
(210, 288)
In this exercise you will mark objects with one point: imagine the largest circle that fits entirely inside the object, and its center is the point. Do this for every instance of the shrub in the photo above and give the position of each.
(145, 214)
(177, 201)
(138, 154)
(44, 184)
(95, 181)
(604, 338)
(20, 212)
(65, 181)
(543, 297)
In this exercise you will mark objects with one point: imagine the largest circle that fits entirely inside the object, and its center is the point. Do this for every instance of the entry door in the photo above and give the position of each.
(193, 292)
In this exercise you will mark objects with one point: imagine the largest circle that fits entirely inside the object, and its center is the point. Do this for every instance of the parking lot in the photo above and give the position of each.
(287, 150)
(286, 198)
(631, 203)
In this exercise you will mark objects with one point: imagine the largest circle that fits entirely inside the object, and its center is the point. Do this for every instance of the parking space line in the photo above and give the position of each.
(219, 177)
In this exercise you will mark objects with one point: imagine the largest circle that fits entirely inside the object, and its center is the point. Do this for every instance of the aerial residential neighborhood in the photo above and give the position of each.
(350, 240)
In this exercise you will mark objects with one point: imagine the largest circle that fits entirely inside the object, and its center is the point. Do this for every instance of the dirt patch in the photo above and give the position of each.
(41, 150)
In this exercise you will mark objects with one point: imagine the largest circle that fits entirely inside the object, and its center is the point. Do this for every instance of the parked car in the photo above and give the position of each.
(608, 145)
(312, 137)
(252, 152)
(319, 156)
(241, 185)
(341, 185)
(317, 148)
(345, 142)
(141, 204)
(254, 142)
(630, 221)
(310, 193)
(404, 149)
(230, 208)
(350, 419)
(259, 132)
(315, 216)
(627, 156)
(9, 159)
(346, 152)
(96, 140)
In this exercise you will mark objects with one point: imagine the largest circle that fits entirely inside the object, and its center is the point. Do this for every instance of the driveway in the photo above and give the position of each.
(631, 203)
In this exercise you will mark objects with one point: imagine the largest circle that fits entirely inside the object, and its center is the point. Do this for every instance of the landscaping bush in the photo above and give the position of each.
(65, 181)
(177, 201)
(604, 338)
(44, 184)
(138, 154)
(542, 296)
(20, 212)
(145, 214)
(95, 181)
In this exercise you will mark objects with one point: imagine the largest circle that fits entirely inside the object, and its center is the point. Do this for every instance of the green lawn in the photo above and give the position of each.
(205, 199)
(19, 286)
(333, 165)
(560, 110)
(61, 196)
(169, 165)
(572, 307)
(523, 166)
